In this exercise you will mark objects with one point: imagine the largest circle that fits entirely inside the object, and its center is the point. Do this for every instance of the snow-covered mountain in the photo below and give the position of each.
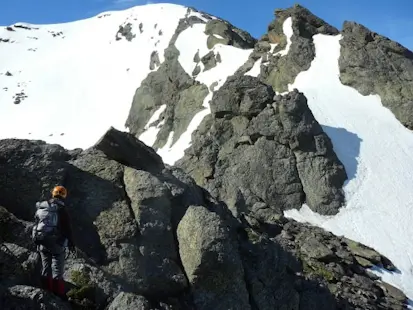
(154, 70)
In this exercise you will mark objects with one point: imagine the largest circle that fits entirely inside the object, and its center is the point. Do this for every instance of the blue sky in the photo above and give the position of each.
(393, 19)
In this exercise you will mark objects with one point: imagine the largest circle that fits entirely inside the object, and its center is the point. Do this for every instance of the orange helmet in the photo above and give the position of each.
(59, 191)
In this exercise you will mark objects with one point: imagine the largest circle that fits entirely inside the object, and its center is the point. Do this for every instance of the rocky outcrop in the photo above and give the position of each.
(126, 32)
(255, 149)
(222, 32)
(21, 297)
(277, 68)
(170, 85)
(282, 70)
(373, 64)
(303, 257)
(148, 236)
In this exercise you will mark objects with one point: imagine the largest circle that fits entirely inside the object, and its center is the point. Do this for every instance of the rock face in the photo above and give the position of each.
(256, 150)
(374, 64)
(148, 236)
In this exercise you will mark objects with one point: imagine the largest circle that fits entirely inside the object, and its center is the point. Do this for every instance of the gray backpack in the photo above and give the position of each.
(45, 230)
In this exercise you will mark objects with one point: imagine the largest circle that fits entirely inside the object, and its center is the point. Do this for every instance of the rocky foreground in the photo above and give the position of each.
(148, 237)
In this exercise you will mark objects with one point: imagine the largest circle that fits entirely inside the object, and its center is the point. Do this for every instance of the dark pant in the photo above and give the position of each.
(53, 261)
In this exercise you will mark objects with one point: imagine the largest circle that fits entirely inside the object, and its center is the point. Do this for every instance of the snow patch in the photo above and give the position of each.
(288, 31)
(376, 152)
(273, 46)
(85, 74)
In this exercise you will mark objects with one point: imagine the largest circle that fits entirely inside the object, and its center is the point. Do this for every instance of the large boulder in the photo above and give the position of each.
(256, 149)
(209, 254)
(374, 64)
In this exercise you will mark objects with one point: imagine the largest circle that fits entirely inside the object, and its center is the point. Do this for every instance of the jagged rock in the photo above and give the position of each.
(244, 96)
(20, 297)
(127, 150)
(229, 34)
(129, 301)
(374, 64)
(172, 85)
(154, 62)
(289, 160)
(321, 173)
(8, 74)
(41, 165)
(196, 71)
(210, 258)
(197, 58)
(209, 60)
(282, 70)
(125, 31)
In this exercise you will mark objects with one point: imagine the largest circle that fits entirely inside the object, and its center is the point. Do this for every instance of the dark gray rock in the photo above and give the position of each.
(41, 165)
(20, 297)
(126, 32)
(255, 150)
(129, 151)
(321, 172)
(209, 60)
(374, 64)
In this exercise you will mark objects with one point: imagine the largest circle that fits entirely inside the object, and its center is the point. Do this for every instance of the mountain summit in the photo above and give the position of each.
(208, 169)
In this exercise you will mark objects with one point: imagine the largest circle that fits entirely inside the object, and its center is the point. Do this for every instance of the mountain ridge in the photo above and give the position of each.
(213, 100)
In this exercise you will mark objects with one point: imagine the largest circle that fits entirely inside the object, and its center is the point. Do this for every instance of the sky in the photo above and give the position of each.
(393, 19)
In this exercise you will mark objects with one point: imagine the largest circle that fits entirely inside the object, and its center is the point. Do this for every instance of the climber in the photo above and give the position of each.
(52, 233)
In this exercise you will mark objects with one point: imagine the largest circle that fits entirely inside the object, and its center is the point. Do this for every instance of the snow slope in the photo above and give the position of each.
(76, 79)
(376, 151)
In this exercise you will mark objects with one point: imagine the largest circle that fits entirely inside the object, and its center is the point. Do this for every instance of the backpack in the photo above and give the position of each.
(45, 230)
